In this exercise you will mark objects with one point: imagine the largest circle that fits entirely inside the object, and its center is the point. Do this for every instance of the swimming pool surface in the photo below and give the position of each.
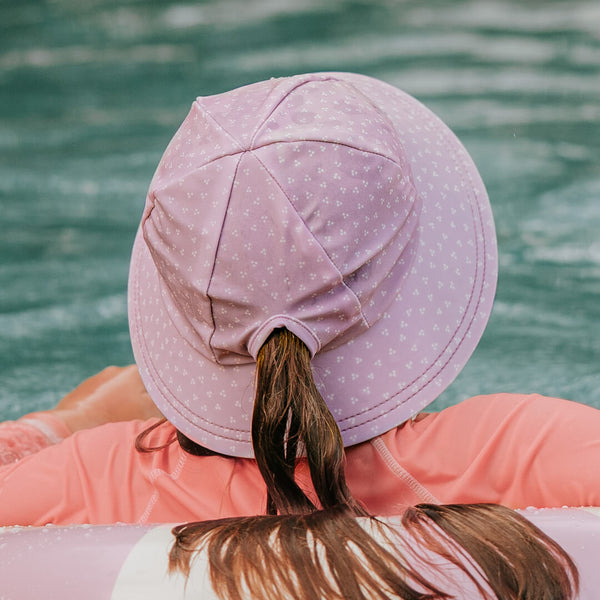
(91, 91)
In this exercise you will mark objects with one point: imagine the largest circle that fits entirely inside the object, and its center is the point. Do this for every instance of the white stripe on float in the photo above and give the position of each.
(144, 573)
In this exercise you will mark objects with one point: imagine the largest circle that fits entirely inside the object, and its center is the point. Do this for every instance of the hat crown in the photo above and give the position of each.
(284, 203)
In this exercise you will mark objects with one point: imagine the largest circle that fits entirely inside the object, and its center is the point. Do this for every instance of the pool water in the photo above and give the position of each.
(92, 90)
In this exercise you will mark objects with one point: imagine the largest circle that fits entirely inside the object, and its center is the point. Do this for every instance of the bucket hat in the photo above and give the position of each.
(332, 204)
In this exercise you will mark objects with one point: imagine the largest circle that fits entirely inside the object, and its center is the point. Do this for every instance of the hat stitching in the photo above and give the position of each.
(378, 110)
(274, 178)
(251, 151)
(276, 181)
(251, 146)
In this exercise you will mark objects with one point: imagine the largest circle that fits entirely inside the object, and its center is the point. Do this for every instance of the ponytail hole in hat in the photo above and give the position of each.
(293, 325)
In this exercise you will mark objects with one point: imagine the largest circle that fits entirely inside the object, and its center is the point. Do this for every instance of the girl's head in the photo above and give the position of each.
(332, 205)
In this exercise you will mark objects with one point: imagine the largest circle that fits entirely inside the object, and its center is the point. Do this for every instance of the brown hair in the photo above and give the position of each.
(317, 548)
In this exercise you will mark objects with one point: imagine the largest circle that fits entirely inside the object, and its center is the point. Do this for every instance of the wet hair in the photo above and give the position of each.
(326, 545)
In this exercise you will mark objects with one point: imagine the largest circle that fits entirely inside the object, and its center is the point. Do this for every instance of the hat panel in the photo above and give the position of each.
(182, 226)
(268, 264)
(363, 223)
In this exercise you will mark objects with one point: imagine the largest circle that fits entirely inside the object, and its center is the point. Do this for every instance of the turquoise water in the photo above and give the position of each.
(92, 90)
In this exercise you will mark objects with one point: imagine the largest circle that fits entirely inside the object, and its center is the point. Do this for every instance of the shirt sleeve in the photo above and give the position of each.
(75, 481)
(511, 449)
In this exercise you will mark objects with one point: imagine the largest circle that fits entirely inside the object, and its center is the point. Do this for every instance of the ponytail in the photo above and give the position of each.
(308, 551)
(289, 413)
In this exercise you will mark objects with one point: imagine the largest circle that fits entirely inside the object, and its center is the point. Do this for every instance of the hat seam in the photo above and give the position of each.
(346, 145)
(214, 265)
(273, 142)
(259, 127)
(207, 114)
(378, 110)
(283, 98)
(251, 147)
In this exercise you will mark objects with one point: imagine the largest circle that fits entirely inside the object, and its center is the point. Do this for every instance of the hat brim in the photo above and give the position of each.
(399, 365)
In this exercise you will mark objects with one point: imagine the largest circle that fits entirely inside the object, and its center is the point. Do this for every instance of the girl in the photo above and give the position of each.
(316, 262)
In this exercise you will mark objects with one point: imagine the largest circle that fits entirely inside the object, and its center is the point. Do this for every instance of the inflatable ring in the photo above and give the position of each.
(98, 562)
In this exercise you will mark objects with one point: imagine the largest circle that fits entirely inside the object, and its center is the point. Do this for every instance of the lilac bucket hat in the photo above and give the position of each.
(334, 205)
